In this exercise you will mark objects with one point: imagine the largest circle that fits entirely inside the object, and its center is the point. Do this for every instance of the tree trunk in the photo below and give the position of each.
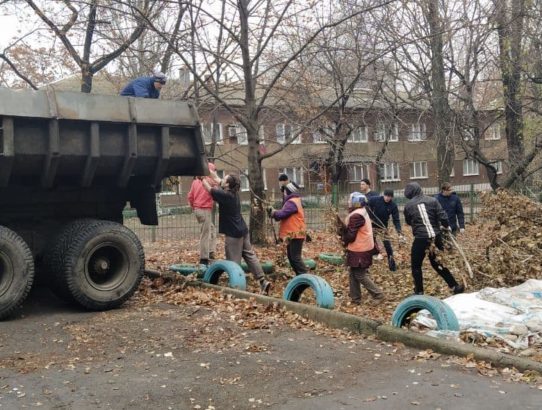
(86, 79)
(439, 96)
(510, 29)
(257, 194)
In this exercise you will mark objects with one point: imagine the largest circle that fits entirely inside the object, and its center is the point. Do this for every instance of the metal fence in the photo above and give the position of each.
(176, 223)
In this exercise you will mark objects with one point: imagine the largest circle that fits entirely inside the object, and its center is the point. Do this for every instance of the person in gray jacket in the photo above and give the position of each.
(425, 215)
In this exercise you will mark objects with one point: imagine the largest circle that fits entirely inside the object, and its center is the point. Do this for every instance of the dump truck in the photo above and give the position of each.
(70, 163)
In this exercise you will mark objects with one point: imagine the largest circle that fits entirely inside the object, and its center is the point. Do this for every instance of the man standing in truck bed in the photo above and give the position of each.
(145, 87)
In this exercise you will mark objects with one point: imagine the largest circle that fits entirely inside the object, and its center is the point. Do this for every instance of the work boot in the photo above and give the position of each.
(204, 261)
(265, 287)
(212, 255)
(391, 264)
(377, 301)
(457, 289)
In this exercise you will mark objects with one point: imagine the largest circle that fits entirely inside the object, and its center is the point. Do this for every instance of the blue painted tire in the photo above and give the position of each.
(332, 258)
(267, 266)
(236, 276)
(322, 290)
(441, 312)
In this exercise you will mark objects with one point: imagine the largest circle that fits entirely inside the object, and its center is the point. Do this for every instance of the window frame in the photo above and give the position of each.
(360, 135)
(493, 130)
(220, 139)
(417, 132)
(475, 164)
(363, 172)
(382, 126)
(413, 170)
(384, 172)
(297, 175)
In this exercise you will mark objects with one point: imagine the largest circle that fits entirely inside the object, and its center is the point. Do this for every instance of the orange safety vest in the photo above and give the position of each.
(364, 238)
(293, 227)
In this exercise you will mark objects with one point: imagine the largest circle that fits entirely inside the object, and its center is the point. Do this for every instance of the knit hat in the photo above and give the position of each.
(283, 177)
(291, 187)
(357, 200)
(159, 77)
(388, 192)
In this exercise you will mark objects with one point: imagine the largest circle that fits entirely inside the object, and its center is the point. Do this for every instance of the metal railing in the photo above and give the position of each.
(177, 223)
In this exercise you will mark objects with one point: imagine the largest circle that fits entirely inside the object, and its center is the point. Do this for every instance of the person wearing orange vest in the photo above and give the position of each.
(360, 248)
(292, 226)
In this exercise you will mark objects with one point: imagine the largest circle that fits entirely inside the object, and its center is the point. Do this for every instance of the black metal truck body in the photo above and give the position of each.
(71, 161)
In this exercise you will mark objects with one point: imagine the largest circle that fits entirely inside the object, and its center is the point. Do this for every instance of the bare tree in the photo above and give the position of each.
(252, 31)
(88, 23)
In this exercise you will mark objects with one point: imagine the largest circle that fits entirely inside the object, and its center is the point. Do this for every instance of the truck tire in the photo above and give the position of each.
(53, 259)
(103, 265)
(322, 290)
(441, 312)
(16, 271)
(236, 276)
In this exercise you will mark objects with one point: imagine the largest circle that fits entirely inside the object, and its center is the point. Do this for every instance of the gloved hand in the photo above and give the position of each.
(270, 211)
(462, 230)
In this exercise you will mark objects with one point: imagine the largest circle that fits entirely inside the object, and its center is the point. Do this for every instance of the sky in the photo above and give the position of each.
(8, 29)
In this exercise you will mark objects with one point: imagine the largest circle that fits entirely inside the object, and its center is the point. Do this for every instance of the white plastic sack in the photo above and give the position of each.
(511, 314)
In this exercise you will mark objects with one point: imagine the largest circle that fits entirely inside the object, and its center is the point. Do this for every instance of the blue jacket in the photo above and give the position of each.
(454, 209)
(380, 212)
(141, 87)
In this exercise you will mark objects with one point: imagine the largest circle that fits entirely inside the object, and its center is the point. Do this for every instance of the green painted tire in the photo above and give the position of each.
(332, 258)
(186, 269)
(309, 263)
(267, 266)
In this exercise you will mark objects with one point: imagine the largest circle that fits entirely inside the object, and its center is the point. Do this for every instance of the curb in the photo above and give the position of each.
(388, 333)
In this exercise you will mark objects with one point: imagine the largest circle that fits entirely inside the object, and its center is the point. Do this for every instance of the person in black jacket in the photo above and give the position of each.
(425, 215)
(451, 203)
(380, 210)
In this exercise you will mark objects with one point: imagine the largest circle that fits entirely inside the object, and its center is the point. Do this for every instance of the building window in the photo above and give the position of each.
(498, 166)
(240, 132)
(418, 170)
(261, 134)
(295, 175)
(245, 185)
(360, 134)
(318, 138)
(207, 131)
(493, 133)
(470, 167)
(285, 131)
(356, 173)
(468, 134)
(220, 173)
(389, 172)
(383, 131)
(418, 132)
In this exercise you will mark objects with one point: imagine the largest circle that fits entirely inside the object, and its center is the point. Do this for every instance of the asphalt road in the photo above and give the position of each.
(162, 356)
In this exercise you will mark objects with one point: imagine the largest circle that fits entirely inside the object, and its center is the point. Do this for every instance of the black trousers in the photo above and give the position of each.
(385, 242)
(417, 255)
(294, 248)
